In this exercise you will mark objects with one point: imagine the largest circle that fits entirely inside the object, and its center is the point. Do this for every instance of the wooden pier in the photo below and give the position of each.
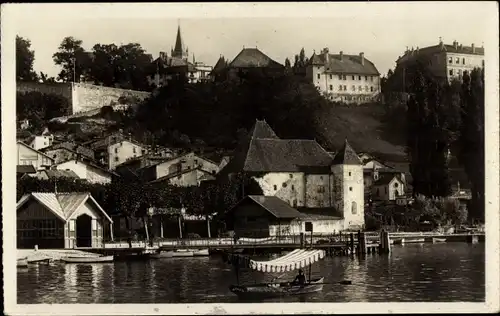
(359, 243)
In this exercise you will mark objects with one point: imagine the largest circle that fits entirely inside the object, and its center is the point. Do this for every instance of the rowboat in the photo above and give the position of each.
(201, 253)
(414, 241)
(22, 263)
(273, 290)
(84, 259)
(435, 240)
(173, 254)
(297, 259)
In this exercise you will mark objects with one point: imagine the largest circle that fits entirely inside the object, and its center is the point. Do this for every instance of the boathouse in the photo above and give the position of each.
(61, 220)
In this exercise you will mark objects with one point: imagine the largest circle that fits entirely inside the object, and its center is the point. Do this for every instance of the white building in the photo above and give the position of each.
(42, 141)
(344, 78)
(26, 155)
(87, 170)
(445, 61)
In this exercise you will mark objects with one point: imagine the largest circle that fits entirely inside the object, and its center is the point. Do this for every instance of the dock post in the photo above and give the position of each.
(387, 242)
(351, 242)
(301, 240)
(361, 243)
(381, 242)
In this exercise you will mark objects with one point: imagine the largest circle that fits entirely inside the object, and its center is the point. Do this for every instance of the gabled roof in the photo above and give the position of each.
(90, 163)
(386, 178)
(173, 175)
(219, 66)
(73, 147)
(253, 58)
(63, 205)
(274, 205)
(25, 169)
(347, 156)
(347, 64)
(57, 174)
(263, 151)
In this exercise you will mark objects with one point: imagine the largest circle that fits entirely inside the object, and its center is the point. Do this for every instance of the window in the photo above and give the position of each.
(331, 87)
(396, 184)
(294, 203)
(340, 77)
(291, 176)
(371, 89)
(321, 177)
(483, 62)
(331, 76)
(360, 88)
(133, 150)
(319, 76)
(345, 88)
(371, 78)
(275, 187)
(450, 60)
(340, 88)
(353, 78)
(349, 173)
(463, 61)
(293, 187)
(353, 88)
(359, 78)
(117, 159)
(116, 150)
(143, 151)
(350, 188)
(354, 208)
(458, 60)
(451, 72)
(284, 184)
(344, 77)
(366, 78)
(366, 88)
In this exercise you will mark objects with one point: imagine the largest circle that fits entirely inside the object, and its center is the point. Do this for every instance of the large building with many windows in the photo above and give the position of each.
(445, 61)
(344, 78)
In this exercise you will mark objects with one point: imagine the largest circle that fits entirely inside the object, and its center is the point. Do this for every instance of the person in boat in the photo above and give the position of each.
(300, 279)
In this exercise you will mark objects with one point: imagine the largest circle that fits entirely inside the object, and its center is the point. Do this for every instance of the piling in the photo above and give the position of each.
(361, 243)
(351, 243)
(385, 245)
(301, 240)
(473, 239)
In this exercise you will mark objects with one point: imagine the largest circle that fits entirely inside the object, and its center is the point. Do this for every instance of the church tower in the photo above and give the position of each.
(348, 187)
(179, 51)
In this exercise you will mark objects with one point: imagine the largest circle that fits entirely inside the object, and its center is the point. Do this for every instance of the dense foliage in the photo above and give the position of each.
(39, 107)
(25, 57)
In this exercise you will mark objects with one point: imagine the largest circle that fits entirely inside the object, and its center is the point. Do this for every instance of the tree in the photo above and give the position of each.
(103, 68)
(471, 140)
(73, 59)
(40, 107)
(25, 57)
(46, 79)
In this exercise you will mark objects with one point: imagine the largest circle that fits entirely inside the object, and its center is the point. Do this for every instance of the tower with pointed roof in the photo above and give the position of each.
(179, 50)
(348, 186)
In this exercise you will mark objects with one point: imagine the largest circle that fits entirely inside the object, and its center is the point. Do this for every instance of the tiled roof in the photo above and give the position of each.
(172, 175)
(284, 155)
(252, 57)
(62, 205)
(276, 206)
(385, 179)
(25, 169)
(446, 48)
(71, 146)
(347, 156)
(220, 65)
(349, 64)
(37, 151)
(56, 174)
(262, 130)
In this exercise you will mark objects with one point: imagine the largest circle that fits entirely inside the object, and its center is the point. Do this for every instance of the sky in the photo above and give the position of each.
(381, 30)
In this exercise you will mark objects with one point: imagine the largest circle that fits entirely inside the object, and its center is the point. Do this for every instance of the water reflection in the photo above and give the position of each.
(441, 272)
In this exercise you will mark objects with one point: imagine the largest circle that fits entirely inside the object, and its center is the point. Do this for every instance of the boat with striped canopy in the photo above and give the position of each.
(295, 260)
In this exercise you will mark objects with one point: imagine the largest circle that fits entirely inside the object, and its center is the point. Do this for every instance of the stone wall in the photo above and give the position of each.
(82, 97)
(87, 97)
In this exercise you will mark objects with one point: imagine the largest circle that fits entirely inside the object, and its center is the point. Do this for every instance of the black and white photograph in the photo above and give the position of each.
(211, 158)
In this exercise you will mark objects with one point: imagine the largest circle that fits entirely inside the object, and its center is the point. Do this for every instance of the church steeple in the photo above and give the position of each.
(179, 51)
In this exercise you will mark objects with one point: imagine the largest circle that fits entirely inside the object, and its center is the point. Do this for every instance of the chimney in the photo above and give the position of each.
(362, 55)
(441, 44)
(341, 56)
(455, 44)
(326, 54)
(473, 48)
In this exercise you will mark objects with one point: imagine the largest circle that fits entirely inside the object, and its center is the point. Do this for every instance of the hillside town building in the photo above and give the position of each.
(327, 190)
(344, 78)
(445, 61)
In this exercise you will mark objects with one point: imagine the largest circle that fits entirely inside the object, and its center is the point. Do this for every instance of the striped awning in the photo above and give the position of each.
(296, 259)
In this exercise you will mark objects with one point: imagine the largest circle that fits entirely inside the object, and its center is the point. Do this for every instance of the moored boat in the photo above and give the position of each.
(398, 241)
(84, 259)
(296, 259)
(22, 263)
(274, 290)
(436, 240)
(201, 253)
(414, 241)
(172, 254)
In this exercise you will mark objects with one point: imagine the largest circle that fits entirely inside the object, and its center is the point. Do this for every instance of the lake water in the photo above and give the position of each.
(422, 273)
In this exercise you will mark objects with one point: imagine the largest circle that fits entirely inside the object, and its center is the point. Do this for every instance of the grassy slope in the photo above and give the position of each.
(365, 127)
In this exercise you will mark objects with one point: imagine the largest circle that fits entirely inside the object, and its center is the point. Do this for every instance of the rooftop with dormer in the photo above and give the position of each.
(343, 63)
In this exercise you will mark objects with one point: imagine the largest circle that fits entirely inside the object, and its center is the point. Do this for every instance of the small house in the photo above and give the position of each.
(87, 170)
(61, 220)
(388, 187)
